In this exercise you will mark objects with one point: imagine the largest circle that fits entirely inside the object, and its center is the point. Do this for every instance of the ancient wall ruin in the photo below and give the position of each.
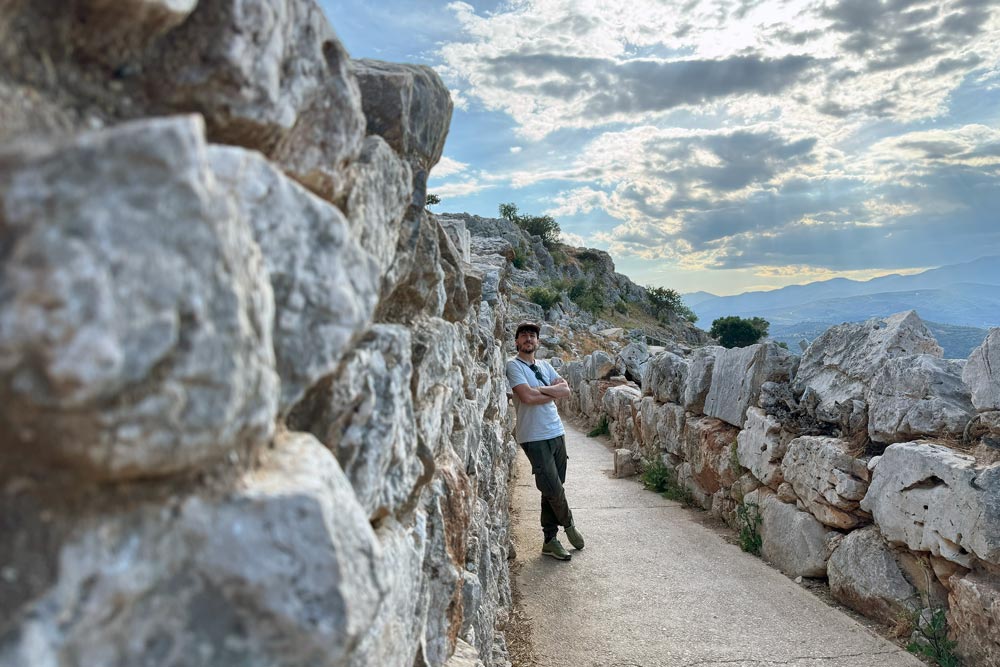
(871, 461)
(251, 393)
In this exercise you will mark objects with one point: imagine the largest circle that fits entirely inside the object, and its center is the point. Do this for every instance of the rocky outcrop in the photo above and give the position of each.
(252, 392)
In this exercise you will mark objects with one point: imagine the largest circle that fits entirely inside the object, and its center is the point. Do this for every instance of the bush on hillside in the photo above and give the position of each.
(588, 294)
(735, 331)
(665, 301)
(536, 225)
(544, 297)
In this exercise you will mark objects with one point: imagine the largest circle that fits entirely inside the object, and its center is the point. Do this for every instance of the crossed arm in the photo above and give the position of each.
(538, 395)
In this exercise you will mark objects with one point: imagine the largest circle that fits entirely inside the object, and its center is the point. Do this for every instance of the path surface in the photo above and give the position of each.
(655, 588)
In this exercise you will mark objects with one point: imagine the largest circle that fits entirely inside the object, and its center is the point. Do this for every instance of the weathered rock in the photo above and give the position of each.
(135, 317)
(118, 29)
(230, 61)
(394, 635)
(836, 371)
(632, 359)
(699, 377)
(409, 107)
(738, 375)
(918, 395)
(974, 618)
(621, 406)
(415, 282)
(364, 414)
(865, 576)
(931, 498)
(707, 447)
(436, 386)
(827, 479)
(459, 234)
(281, 571)
(599, 366)
(457, 303)
(624, 463)
(760, 447)
(379, 196)
(793, 541)
(325, 284)
(982, 373)
(670, 428)
(664, 377)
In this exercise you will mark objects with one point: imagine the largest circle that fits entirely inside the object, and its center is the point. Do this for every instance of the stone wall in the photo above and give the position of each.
(252, 399)
(871, 461)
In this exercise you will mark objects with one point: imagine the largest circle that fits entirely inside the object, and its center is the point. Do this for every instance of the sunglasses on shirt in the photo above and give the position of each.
(538, 374)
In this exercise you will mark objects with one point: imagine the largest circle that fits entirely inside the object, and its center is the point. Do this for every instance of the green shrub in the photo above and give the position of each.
(520, 258)
(536, 225)
(559, 258)
(656, 476)
(544, 297)
(933, 639)
(621, 307)
(588, 294)
(749, 518)
(601, 428)
(735, 331)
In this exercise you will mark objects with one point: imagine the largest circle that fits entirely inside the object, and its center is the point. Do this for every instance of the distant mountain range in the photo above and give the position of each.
(961, 300)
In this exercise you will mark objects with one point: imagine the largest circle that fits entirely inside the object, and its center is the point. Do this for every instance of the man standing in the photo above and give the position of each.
(539, 432)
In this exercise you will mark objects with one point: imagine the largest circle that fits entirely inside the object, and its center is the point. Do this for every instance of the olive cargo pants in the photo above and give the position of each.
(548, 465)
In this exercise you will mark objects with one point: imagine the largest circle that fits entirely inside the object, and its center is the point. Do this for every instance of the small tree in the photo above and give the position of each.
(432, 199)
(735, 331)
(664, 301)
(536, 225)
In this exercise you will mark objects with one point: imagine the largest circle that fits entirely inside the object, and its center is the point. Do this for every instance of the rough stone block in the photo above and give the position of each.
(793, 541)
(624, 463)
(934, 499)
(974, 618)
(135, 315)
(865, 575)
(738, 375)
(982, 373)
(827, 480)
(760, 447)
(918, 395)
(699, 377)
(664, 377)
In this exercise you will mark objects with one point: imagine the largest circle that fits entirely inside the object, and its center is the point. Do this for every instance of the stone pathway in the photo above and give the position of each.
(655, 588)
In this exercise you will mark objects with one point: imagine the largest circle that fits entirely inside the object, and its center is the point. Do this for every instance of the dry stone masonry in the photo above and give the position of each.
(871, 462)
(252, 399)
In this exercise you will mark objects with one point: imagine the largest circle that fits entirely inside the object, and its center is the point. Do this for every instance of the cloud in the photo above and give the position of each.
(448, 167)
(460, 188)
(515, 149)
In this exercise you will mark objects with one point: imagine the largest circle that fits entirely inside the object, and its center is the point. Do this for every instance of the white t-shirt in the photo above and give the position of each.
(534, 422)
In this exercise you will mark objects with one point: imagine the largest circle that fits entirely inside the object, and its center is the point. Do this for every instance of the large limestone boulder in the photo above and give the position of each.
(699, 377)
(621, 404)
(738, 375)
(837, 369)
(364, 414)
(664, 377)
(379, 196)
(670, 422)
(793, 541)
(982, 373)
(761, 447)
(827, 480)
(931, 498)
(135, 314)
(865, 575)
(268, 75)
(708, 446)
(918, 395)
(632, 360)
(325, 285)
(415, 283)
(974, 618)
(280, 570)
(599, 366)
(409, 107)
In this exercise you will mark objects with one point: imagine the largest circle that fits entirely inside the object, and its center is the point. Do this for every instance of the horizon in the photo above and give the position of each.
(733, 147)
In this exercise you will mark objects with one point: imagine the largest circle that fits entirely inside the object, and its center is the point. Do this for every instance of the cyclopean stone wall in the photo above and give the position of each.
(252, 399)
(872, 461)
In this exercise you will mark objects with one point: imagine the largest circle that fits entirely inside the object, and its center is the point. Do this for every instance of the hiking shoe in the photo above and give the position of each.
(556, 550)
(574, 537)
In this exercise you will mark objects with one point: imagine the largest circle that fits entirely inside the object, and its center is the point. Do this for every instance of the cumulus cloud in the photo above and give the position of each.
(448, 167)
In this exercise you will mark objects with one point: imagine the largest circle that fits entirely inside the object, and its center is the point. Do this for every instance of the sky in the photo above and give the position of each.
(717, 145)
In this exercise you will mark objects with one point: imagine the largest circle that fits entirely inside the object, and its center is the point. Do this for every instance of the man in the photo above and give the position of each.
(539, 432)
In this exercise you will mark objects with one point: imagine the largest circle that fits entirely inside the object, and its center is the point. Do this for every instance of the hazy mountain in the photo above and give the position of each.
(958, 342)
(961, 294)
(692, 298)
